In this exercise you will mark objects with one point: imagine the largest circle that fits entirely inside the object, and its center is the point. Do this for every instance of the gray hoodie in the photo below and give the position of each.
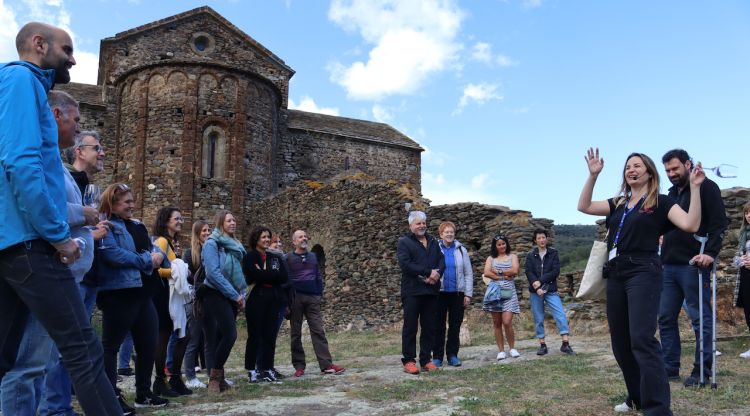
(464, 274)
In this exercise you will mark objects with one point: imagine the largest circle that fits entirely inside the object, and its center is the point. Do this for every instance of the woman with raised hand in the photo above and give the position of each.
(127, 274)
(197, 342)
(224, 294)
(167, 228)
(636, 217)
(502, 268)
(267, 272)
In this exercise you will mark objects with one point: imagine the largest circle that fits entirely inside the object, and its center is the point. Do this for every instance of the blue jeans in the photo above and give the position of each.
(22, 386)
(33, 280)
(681, 284)
(126, 352)
(57, 399)
(552, 299)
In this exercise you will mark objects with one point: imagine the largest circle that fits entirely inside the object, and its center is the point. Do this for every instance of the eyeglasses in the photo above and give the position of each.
(97, 147)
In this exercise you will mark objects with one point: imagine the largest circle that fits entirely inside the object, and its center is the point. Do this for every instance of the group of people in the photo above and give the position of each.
(60, 256)
(437, 285)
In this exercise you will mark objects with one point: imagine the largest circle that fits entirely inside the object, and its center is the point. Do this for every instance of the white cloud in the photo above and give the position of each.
(382, 114)
(482, 52)
(412, 40)
(478, 93)
(531, 4)
(8, 30)
(308, 104)
(479, 181)
(445, 191)
(86, 69)
(503, 60)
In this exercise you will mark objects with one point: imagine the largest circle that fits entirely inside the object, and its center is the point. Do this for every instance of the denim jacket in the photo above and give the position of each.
(119, 266)
(213, 257)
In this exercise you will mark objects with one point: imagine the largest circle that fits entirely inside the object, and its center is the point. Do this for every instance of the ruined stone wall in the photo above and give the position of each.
(357, 223)
(305, 155)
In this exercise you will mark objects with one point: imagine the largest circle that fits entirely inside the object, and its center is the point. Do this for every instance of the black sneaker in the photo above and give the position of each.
(150, 400)
(278, 375)
(162, 389)
(176, 384)
(567, 349)
(127, 372)
(693, 381)
(542, 349)
(126, 409)
(267, 376)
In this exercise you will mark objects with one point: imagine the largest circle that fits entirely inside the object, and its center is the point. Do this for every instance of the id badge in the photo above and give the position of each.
(613, 253)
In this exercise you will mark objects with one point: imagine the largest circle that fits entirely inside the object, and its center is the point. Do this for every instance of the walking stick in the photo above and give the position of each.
(702, 240)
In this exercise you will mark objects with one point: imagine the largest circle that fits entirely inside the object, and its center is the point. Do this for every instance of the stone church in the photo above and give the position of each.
(193, 113)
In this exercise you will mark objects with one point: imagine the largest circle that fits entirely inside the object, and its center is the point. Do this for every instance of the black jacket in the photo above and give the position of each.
(546, 273)
(273, 276)
(417, 262)
(678, 246)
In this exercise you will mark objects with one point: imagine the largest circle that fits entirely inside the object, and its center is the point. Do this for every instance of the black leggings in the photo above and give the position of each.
(219, 326)
(166, 327)
(262, 314)
(123, 311)
(745, 293)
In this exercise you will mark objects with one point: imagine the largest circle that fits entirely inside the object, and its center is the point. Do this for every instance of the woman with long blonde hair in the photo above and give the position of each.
(196, 345)
(636, 217)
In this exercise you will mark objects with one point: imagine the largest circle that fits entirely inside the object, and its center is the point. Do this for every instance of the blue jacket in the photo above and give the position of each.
(545, 272)
(32, 185)
(464, 274)
(213, 258)
(119, 266)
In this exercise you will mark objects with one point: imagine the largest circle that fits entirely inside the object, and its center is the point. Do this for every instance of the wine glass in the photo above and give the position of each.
(724, 170)
(92, 197)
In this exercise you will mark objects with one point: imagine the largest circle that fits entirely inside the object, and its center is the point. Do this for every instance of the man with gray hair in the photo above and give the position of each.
(422, 265)
(35, 238)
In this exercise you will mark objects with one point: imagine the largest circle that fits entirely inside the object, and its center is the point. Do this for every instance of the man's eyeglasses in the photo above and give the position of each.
(97, 147)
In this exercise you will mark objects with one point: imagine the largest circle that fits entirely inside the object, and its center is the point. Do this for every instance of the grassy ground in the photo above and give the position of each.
(586, 384)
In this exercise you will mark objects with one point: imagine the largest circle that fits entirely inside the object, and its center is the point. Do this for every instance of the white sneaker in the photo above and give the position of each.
(228, 381)
(623, 408)
(514, 353)
(718, 353)
(501, 355)
(194, 383)
(745, 354)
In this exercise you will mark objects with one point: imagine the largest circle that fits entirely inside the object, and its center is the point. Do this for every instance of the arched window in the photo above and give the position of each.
(214, 153)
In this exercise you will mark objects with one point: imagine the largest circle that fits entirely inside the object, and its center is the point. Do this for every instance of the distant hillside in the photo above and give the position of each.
(574, 244)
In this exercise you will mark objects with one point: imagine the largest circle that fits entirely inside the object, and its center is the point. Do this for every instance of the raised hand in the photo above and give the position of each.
(595, 163)
(697, 175)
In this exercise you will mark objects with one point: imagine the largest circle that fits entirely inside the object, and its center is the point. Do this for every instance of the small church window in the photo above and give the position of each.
(202, 43)
(214, 153)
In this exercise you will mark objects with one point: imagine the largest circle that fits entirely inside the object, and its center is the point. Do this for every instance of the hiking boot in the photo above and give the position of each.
(542, 349)
(299, 372)
(176, 383)
(161, 388)
(411, 368)
(567, 349)
(514, 353)
(127, 372)
(430, 366)
(453, 361)
(126, 409)
(334, 369)
(438, 362)
(150, 400)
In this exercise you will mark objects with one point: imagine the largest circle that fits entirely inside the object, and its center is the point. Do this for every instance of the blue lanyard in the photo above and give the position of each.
(622, 220)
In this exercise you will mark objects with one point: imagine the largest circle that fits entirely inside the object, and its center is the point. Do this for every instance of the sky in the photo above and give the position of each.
(505, 96)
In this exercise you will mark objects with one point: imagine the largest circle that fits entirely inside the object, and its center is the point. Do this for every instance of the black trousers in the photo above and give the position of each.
(418, 310)
(450, 308)
(633, 295)
(219, 326)
(262, 314)
(123, 311)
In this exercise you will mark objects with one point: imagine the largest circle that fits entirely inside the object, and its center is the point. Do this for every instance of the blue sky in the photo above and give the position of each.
(505, 95)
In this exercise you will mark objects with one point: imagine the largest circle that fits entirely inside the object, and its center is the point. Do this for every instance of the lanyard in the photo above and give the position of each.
(622, 220)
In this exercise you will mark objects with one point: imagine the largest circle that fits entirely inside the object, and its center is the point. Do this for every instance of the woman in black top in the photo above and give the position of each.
(636, 218)
(266, 270)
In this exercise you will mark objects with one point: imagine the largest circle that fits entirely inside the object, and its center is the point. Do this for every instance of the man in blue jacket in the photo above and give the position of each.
(35, 241)
(422, 265)
(542, 269)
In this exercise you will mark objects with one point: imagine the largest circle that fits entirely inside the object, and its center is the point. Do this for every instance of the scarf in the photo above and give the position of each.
(742, 239)
(232, 267)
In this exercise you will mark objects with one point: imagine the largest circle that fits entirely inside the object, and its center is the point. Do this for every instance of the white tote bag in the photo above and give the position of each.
(593, 285)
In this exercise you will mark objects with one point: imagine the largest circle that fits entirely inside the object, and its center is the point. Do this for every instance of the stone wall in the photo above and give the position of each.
(357, 222)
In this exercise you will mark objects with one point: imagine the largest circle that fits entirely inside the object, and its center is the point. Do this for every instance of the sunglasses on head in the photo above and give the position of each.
(498, 237)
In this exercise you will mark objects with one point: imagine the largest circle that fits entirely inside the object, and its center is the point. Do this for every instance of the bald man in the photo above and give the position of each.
(35, 242)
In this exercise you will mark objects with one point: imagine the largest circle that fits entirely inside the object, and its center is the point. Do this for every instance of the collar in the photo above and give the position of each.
(45, 76)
